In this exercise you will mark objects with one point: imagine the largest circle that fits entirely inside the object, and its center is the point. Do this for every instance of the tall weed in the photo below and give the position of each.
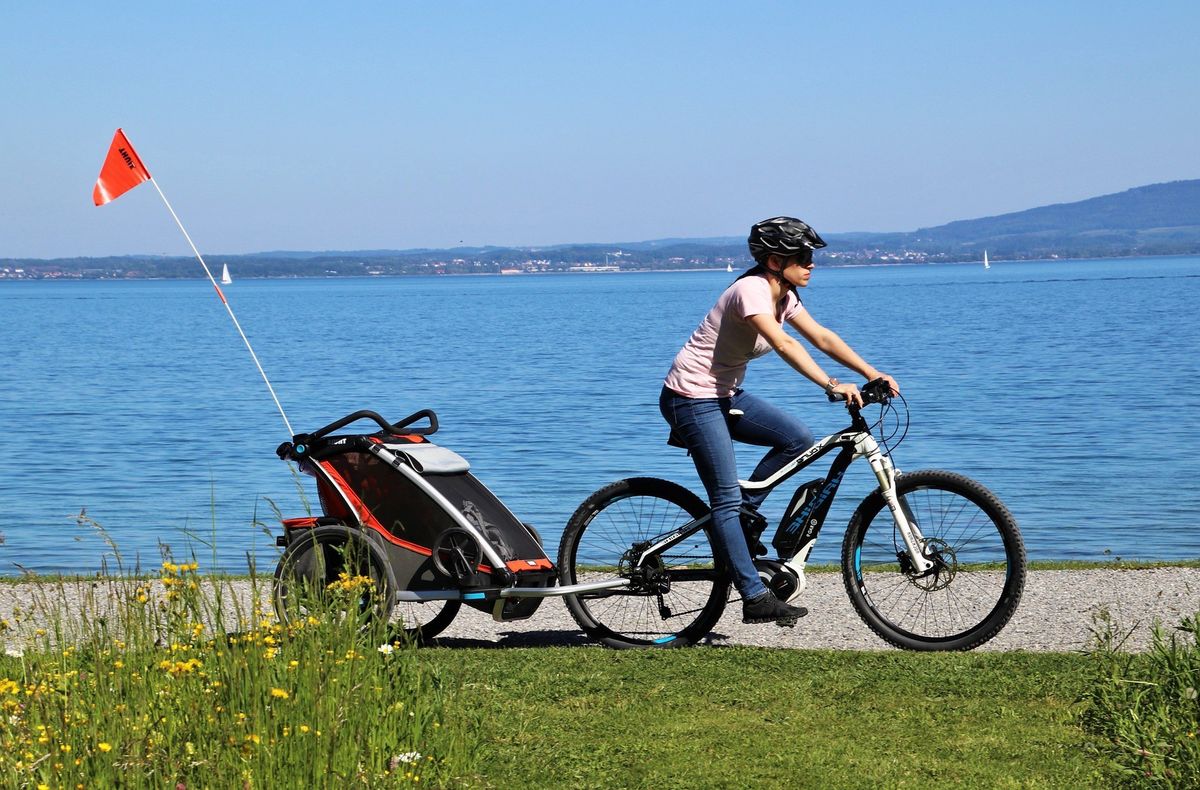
(189, 681)
(1143, 708)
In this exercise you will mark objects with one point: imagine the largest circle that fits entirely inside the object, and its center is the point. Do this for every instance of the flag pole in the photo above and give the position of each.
(228, 309)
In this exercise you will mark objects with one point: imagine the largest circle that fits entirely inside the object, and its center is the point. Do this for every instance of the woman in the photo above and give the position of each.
(707, 409)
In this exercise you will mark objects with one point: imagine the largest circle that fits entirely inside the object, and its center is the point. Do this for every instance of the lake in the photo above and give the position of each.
(1063, 385)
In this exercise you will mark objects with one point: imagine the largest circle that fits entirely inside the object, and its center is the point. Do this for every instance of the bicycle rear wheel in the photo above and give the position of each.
(671, 601)
(979, 570)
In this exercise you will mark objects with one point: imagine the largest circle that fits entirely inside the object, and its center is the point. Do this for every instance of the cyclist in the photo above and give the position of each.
(707, 409)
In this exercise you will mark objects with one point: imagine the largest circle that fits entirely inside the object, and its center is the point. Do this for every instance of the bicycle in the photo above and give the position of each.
(931, 560)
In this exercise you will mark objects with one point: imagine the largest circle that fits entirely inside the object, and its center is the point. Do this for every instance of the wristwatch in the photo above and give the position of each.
(829, 387)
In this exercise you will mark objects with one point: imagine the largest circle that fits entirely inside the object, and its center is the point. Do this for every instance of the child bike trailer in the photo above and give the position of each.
(407, 515)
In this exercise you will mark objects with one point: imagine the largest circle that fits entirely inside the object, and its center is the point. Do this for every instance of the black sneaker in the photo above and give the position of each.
(753, 525)
(766, 608)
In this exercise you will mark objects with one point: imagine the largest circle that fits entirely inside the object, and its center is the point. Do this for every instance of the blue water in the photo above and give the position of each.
(1067, 387)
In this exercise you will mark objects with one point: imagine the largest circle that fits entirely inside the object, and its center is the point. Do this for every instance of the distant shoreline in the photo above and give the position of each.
(390, 276)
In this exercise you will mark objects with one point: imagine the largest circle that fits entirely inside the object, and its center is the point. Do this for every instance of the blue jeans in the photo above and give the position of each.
(708, 430)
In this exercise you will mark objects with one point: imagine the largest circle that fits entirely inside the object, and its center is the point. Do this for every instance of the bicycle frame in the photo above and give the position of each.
(805, 514)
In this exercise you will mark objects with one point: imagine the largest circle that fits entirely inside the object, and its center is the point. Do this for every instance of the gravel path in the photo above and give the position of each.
(1058, 612)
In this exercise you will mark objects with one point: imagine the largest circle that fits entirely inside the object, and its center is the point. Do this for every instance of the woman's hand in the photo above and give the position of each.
(849, 392)
(891, 383)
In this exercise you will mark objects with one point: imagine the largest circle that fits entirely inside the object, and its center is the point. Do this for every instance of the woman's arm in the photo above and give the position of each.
(832, 344)
(798, 357)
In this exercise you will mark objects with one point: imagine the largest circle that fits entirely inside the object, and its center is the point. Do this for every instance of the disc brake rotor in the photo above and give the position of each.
(945, 566)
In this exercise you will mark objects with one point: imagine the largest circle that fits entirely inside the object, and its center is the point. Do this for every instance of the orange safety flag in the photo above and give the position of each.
(122, 171)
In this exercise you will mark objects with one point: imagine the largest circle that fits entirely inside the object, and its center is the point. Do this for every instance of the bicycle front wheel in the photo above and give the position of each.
(979, 564)
(674, 599)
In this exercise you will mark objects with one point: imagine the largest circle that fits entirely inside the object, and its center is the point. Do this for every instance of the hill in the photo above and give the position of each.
(1158, 219)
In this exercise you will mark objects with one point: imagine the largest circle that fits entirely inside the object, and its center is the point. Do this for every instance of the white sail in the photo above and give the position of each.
(729, 267)
(986, 265)
(225, 278)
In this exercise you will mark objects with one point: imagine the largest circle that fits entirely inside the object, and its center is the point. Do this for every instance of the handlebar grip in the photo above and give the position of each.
(874, 391)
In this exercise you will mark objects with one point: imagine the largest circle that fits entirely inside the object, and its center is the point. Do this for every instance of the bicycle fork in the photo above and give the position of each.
(885, 473)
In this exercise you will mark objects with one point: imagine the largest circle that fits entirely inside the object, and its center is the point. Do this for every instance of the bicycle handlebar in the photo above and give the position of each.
(874, 391)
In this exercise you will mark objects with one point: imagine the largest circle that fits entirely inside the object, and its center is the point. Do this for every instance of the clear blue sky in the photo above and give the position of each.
(314, 126)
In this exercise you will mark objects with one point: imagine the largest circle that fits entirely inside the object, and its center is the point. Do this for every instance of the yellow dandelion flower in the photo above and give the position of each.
(104, 746)
(304, 728)
(279, 693)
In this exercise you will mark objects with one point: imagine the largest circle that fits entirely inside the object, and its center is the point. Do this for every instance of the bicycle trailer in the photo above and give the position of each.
(409, 515)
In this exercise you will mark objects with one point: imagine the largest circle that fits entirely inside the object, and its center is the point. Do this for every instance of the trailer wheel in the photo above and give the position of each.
(336, 570)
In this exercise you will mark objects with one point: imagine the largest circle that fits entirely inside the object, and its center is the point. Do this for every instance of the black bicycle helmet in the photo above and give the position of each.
(783, 236)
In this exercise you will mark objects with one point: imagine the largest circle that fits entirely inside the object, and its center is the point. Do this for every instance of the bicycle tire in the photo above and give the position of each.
(980, 578)
(604, 528)
(423, 620)
(316, 559)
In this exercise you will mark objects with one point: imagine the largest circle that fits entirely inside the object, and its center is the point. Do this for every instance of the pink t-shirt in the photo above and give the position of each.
(713, 361)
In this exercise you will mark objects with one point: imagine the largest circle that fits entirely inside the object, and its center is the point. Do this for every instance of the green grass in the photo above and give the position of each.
(752, 717)
(1116, 564)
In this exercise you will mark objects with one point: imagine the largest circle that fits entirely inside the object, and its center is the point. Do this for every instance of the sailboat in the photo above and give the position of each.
(729, 267)
(225, 278)
(986, 265)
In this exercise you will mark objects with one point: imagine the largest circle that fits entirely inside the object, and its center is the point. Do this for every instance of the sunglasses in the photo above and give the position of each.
(804, 259)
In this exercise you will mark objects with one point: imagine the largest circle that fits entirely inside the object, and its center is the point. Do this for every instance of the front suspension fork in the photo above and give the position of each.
(885, 473)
